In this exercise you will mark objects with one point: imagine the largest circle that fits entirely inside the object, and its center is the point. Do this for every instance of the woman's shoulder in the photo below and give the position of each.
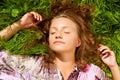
(19, 62)
(91, 68)
(11, 65)
(5, 54)
(94, 67)
(95, 72)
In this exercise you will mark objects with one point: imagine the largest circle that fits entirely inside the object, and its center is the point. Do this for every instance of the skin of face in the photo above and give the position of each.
(63, 35)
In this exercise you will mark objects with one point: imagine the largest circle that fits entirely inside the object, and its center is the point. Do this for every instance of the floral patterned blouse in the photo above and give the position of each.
(18, 67)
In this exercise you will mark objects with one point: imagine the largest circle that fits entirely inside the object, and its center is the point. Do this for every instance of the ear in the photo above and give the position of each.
(78, 43)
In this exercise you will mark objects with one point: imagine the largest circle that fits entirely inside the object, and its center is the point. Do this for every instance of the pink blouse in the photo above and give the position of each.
(18, 67)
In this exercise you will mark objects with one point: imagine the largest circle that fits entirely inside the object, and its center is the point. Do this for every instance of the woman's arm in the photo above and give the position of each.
(8, 32)
(115, 72)
(108, 57)
(29, 20)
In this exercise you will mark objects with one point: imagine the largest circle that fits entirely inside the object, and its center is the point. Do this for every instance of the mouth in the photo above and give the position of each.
(58, 42)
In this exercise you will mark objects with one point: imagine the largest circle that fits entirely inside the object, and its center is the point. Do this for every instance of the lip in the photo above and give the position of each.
(58, 42)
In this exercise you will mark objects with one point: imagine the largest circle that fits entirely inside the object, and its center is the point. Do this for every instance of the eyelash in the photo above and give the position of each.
(67, 32)
(64, 32)
(52, 33)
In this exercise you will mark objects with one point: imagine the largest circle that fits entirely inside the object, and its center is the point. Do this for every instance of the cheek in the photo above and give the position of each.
(76, 41)
(72, 40)
(50, 40)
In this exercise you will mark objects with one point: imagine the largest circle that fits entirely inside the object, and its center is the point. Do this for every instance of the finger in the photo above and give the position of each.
(103, 56)
(100, 45)
(40, 18)
(101, 48)
(105, 51)
(37, 16)
(34, 15)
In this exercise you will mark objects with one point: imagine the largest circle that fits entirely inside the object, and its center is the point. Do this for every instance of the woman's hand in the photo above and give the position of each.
(30, 19)
(107, 56)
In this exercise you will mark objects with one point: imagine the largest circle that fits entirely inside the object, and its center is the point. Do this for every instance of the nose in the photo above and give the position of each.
(59, 35)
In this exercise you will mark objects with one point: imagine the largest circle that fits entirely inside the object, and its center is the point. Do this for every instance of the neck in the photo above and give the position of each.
(65, 63)
(65, 59)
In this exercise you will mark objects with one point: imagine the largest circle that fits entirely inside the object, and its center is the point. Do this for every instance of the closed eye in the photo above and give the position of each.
(52, 32)
(67, 32)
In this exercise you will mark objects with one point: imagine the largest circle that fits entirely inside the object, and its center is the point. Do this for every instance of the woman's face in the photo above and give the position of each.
(63, 35)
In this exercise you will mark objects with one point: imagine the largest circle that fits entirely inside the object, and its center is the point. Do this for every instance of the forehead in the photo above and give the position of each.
(63, 22)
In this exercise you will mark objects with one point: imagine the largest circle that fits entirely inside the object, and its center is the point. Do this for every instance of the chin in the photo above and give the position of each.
(58, 50)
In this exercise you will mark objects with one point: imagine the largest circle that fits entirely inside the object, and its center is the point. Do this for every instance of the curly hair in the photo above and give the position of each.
(81, 16)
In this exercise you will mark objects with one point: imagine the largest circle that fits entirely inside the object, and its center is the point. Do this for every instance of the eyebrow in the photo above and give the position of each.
(62, 27)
